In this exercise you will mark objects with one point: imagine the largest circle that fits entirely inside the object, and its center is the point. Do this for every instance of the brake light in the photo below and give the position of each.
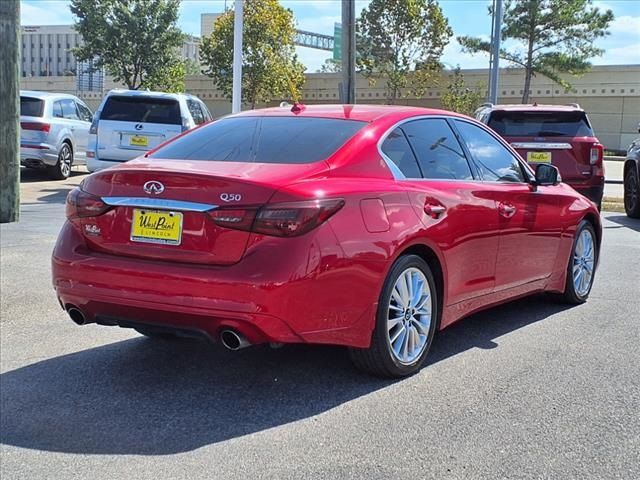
(37, 126)
(596, 154)
(93, 129)
(289, 219)
(82, 204)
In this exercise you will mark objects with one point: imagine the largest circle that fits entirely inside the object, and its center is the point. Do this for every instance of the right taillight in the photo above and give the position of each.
(596, 154)
(82, 204)
(288, 219)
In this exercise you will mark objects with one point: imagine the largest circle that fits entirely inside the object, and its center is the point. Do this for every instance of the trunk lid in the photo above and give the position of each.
(182, 194)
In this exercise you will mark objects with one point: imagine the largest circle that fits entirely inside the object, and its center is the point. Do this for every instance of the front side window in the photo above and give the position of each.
(284, 140)
(397, 149)
(196, 112)
(438, 151)
(85, 113)
(495, 162)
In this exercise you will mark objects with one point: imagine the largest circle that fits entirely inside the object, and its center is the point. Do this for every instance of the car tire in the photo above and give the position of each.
(632, 194)
(584, 256)
(156, 335)
(62, 169)
(414, 326)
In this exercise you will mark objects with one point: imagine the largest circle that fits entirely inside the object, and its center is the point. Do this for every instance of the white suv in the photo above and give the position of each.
(128, 123)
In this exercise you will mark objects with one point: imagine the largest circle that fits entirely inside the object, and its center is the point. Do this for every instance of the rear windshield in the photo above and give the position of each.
(31, 107)
(263, 140)
(541, 124)
(142, 110)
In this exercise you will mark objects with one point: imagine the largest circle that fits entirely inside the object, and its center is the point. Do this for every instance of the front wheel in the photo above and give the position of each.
(405, 321)
(632, 194)
(62, 169)
(582, 264)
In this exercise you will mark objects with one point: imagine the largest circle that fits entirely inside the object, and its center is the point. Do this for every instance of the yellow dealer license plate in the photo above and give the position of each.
(139, 141)
(539, 157)
(154, 226)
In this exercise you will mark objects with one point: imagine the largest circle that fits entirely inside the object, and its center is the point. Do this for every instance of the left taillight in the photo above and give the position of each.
(81, 204)
(36, 126)
(289, 219)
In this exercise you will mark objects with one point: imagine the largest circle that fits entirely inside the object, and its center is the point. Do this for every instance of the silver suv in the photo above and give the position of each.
(128, 123)
(54, 130)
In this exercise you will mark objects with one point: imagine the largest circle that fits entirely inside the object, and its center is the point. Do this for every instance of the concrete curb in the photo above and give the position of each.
(613, 159)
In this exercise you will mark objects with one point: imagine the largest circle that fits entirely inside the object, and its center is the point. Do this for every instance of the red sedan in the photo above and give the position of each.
(365, 226)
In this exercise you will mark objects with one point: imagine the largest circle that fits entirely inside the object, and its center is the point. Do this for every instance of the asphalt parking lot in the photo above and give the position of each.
(533, 389)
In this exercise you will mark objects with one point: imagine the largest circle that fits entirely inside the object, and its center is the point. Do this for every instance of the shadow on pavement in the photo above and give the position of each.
(623, 220)
(153, 397)
(31, 175)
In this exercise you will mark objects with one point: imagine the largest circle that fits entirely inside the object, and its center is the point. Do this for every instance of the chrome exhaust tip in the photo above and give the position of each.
(233, 341)
(76, 315)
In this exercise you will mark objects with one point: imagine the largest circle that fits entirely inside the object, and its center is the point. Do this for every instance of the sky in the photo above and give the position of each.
(466, 17)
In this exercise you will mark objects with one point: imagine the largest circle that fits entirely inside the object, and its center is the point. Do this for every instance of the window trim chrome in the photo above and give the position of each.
(159, 203)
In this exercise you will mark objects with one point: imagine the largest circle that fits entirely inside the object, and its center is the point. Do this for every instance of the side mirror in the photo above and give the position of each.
(547, 175)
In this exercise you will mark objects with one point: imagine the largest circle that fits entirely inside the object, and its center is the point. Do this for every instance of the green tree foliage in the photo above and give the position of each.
(135, 40)
(402, 41)
(460, 98)
(331, 65)
(551, 36)
(270, 67)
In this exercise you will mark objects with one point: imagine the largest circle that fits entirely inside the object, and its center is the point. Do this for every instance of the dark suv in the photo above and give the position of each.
(556, 134)
(632, 179)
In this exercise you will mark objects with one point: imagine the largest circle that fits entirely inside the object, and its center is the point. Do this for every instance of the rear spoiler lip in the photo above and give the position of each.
(160, 203)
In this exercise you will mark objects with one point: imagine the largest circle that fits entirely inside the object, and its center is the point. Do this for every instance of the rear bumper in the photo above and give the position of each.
(95, 165)
(38, 155)
(270, 296)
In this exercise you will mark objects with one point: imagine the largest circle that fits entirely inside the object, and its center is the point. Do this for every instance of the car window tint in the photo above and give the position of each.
(205, 112)
(142, 109)
(541, 124)
(31, 107)
(69, 110)
(439, 154)
(397, 149)
(263, 140)
(85, 113)
(494, 161)
(57, 109)
(196, 112)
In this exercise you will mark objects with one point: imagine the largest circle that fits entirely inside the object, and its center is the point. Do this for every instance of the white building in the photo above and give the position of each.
(46, 50)
(206, 23)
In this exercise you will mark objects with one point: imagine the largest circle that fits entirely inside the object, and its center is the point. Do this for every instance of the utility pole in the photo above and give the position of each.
(9, 111)
(236, 96)
(495, 51)
(348, 93)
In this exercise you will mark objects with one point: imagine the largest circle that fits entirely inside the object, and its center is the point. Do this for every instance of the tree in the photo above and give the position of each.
(169, 79)
(270, 67)
(10, 108)
(402, 41)
(331, 65)
(460, 98)
(553, 37)
(135, 40)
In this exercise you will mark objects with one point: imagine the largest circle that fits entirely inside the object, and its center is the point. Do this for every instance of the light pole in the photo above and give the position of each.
(348, 93)
(495, 51)
(236, 97)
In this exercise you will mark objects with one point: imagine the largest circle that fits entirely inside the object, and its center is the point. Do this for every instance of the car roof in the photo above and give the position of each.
(536, 107)
(45, 95)
(364, 113)
(146, 93)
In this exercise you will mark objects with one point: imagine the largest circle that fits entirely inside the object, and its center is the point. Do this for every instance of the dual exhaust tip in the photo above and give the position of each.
(230, 339)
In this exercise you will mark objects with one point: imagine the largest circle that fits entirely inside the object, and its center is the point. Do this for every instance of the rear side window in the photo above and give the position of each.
(142, 110)
(31, 107)
(438, 151)
(397, 149)
(69, 109)
(263, 140)
(57, 109)
(540, 124)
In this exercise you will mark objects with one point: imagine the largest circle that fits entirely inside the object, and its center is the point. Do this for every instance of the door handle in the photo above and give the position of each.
(507, 210)
(434, 210)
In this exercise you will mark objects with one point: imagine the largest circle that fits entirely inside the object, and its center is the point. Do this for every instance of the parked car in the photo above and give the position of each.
(560, 135)
(365, 226)
(54, 129)
(632, 179)
(129, 123)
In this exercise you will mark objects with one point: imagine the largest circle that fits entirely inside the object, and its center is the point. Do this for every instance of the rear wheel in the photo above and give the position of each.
(632, 194)
(62, 169)
(582, 265)
(405, 321)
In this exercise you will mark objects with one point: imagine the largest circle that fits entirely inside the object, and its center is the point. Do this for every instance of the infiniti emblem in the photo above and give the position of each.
(153, 187)
(139, 126)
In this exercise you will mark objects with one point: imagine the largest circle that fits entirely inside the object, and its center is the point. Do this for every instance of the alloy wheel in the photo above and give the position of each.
(64, 159)
(583, 262)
